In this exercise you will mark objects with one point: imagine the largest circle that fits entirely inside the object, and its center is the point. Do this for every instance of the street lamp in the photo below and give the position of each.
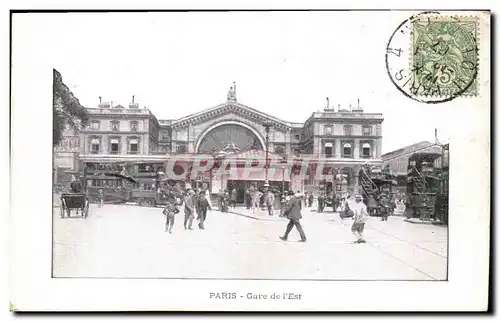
(267, 126)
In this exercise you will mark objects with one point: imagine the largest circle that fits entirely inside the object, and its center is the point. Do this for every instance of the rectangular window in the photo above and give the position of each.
(328, 130)
(115, 126)
(133, 146)
(347, 150)
(115, 146)
(133, 126)
(94, 125)
(328, 150)
(366, 150)
(94, 146)
(367, 130)
(347, 130)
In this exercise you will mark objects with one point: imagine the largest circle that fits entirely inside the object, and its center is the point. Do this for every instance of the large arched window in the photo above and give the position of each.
(229, 138)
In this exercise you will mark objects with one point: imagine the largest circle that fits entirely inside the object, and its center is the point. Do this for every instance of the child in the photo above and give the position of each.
(169, 211)
(360, 218)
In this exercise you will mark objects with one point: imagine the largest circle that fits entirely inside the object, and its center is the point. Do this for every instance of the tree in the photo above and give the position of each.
(68, 112)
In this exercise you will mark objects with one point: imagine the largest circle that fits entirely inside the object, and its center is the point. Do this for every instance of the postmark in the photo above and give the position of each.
(433, 57)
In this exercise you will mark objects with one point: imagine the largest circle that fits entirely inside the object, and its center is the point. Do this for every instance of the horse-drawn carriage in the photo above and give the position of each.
(74, 201)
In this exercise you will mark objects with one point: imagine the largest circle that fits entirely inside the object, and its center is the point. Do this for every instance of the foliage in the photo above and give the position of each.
(68, 113)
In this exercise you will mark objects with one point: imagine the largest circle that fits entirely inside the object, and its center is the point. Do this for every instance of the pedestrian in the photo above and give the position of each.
(203, 206)
(170, 211)
(189, 209)
(360, 218)
(248, 198)
(293, 213)
(270, 202)
(321, 203)
(100, 198)
(311, 199)
(233, 198)
(384, 207)
(208, 198)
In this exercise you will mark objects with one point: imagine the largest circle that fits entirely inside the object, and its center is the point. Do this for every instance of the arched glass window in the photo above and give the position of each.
(133, 146)
(347, 150)
(114, 146)
(94, 145)
(366, 150)
(329, 150)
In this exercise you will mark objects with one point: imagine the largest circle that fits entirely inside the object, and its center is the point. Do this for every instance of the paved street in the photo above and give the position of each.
(130, 241)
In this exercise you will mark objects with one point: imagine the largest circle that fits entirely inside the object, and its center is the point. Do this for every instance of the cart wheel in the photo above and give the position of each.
(87, 206)
(149, 202)
(62, 208)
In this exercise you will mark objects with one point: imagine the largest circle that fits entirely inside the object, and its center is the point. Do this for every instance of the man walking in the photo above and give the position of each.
(294, 215)
(233, 198)
(203, 206)
(188, 210)
(321, 203)
(270, 202)
(360, 218)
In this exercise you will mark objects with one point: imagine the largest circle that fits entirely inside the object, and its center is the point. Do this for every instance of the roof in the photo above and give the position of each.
(425, 156)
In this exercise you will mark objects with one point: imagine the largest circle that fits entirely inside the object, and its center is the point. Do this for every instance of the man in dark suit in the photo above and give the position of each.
(294, 215)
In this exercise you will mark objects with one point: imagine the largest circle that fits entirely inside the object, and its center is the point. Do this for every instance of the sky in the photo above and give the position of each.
(284, 64)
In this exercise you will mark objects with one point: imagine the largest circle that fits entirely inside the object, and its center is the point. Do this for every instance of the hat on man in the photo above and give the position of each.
(358, 197)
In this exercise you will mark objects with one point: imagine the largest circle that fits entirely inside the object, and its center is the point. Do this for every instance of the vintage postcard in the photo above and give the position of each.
(251, 161)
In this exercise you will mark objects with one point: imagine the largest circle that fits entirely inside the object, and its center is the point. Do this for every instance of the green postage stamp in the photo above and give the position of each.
(444, 56)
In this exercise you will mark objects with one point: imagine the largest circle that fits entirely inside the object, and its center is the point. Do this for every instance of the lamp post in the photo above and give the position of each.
(267, 126)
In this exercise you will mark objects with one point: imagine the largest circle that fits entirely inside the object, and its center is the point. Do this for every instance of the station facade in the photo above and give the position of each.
(342, 140)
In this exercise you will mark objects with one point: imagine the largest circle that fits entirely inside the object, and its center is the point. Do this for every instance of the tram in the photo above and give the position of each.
(376, 183)
(423, 181)
(143, 183)
(442, 196)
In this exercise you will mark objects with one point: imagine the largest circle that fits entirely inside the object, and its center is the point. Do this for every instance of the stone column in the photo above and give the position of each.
(356, 149)
(104, 143)
(378, 148)
(316, 147)
(338, 148)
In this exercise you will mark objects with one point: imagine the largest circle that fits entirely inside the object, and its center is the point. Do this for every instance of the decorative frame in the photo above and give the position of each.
(110, 138)
(361, 143)
(90, 139)
(130, 138)
(342, 143)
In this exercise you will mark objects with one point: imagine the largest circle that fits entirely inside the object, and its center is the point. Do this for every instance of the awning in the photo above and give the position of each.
(133, 141)
(114, 141)
(366, 145)
(328, 145)
(95, 141)
(347, 145)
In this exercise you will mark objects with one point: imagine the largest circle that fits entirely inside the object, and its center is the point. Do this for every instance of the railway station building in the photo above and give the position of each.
(342, 140)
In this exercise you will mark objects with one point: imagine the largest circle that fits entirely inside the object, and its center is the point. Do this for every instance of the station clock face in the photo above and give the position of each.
(230, 138)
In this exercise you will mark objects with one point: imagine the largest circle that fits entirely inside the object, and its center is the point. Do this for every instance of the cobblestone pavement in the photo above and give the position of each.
(130, 241)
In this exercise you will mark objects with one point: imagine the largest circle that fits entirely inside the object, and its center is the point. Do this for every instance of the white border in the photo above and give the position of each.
(30, 226)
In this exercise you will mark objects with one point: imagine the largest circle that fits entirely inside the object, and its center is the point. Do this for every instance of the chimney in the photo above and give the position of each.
(327, 108)
(358, 109)
(133, 104)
